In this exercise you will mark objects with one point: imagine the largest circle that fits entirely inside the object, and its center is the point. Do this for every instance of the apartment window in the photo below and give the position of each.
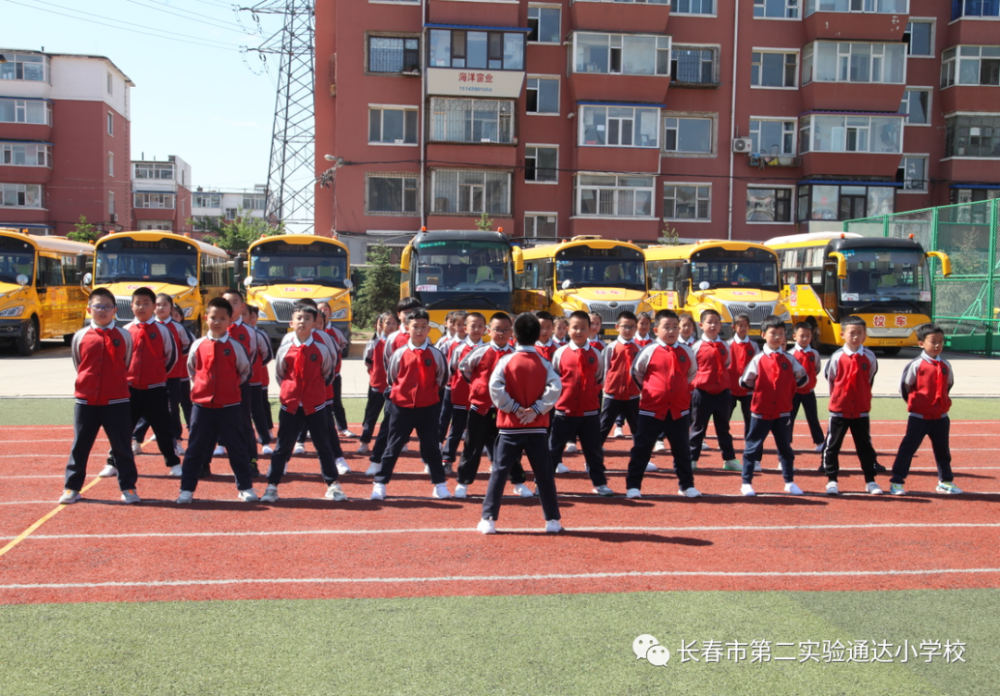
(25, 66)
(621, 54)
(392, 194)
(972, 136)
(471, 191)
(392, 126)
(111, 164)
(21, 195)
(26, 154)
(231, 213)
(542, 95)
(842, 61)
(834, 133)
(25, 110)
(773, 69)
(916, 105)
(772, 137)
(471, 120)
(848, 201)
(111, 123)
(155, 200)
(490, 50)
(158, 225)
(619, 126)
(544, 23)
(919, 37)
(970, 65)
(975, 8)
(912, 174)
(974, 195)
(111, 205)
(393, 54)
(687, 202)
(687, 135)
(254, 202)
(111, 84)
(150, 170)
(769, 204)
(776, 9)
(698, 7)
(609, 195)
(207, 200)
(692, 65)
(541, 164)
(877, 6)
(540, 225)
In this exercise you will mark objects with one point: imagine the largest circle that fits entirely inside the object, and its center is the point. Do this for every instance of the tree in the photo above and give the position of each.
(236, 235)
(379, 291)
(669, 235)
(83, 231)
(484, 223)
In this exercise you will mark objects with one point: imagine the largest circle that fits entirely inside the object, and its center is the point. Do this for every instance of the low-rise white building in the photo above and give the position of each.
(210, 204)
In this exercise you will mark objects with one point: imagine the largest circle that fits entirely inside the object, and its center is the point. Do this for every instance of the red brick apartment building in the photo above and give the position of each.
(716, 118)
(64, 142)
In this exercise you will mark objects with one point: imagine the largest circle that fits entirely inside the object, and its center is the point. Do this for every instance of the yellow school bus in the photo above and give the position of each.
(886, 281)
(190, 271)
(588, 273)
(40, 293)
(470, 270)
(289, 267)
(730, 277)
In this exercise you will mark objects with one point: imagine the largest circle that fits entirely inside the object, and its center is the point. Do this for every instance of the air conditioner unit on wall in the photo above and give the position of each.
(114, 217)
(742, 144)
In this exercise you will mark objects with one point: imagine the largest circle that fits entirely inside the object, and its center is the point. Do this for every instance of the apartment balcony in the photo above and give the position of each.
(607, 15)
(849, 164)
(977, 98)
(25, 174)
(619, 88)
(973, 31)
(644, 160)
(856, 96)
(977, 169)
(855, 26)
(498, 13)
(485, 154)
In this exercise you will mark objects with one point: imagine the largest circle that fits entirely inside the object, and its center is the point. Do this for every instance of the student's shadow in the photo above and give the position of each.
(227, 505)
(622, 537)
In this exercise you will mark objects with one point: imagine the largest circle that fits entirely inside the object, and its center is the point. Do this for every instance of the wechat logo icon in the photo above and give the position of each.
(647, 647)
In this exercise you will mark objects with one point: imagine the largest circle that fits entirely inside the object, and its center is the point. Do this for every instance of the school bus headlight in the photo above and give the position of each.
(785, 315)
(12, 311)
(339, 314)
(188, 311)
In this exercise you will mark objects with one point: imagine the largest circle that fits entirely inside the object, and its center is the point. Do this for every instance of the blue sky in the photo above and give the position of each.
(195, 96)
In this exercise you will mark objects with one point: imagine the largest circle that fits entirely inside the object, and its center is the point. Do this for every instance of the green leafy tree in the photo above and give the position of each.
(236, 235)
(83, 231)
(484, 223)
(379, 291)
(669, 235)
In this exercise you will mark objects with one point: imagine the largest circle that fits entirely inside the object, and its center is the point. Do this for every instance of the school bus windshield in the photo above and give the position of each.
(456, 265)
(885, 275)
(317, 263)
(16, 258)
(584, 267)
(722, 268)
(163, 261)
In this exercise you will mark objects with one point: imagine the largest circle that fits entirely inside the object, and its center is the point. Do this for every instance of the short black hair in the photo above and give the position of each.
(307, 302)
(772, 322)
(742, 317)
(253, 309)
(100, 292)
(710, 312)
(407, 303)
(233, 291)
(306, 309)
(925, 330)
(853, 320)
(165, 296)
(460, 314)
(144, 292)
(221, 303)
(665, 314)
(502, 316)
(542, 314)
(475, 315)
(527, 329)
(685, 315)
(418, 313)
(626, 315)
(580, 314)
(803, 325)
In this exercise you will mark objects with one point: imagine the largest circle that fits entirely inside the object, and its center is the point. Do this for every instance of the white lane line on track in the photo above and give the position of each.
(501, 578)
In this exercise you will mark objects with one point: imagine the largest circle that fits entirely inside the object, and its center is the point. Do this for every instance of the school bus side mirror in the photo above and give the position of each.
(685, 273)
(518, 257)
(943, 258)
(81, 263)
(238, 267)
(841, 264)
(404, 259)
(88, 278)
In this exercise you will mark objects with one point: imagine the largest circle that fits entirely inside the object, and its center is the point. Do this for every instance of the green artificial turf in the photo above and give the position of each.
(538, 645)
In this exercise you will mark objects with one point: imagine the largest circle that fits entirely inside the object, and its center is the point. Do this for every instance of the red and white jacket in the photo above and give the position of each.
(461, 390)
(331, 345)
(341, 342)
(265, 355)
(664, 375)
(393, 342)
(153, 354)
(246, 335)
(182, 341)
(742, 353)
(445, 340)
(581, 371)
(617, 361)
(523, 379)
(851, 376)
(713, 359)
(773, 375)
(374, 361)
(547, 350)
(476, 368)
(643, 341)
(217, 367)
(416, 374)
(597, 343)
(305, 370)
(809, 358)
(101, 358)
(926, 385)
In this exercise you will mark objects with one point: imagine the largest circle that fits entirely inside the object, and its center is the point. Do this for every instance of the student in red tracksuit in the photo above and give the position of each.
(377, 384)
(851, 373)
(475, 327)
(643, 332)
(578, 411)
(596, 324)
(621, 394)
(218, 366)
(710, 395)
(185, 384)
(773, 376)
(523, 388)
(416, 373)
(153, 357)
(806, 396)
(481, 428)
(455, 323)
(743, 350)
(560, 332)
(689, 333)
(663, 371)
(926, 386)
(326, 325)
(260, 378)
(547, 345)
(102, 354)
(247, 337)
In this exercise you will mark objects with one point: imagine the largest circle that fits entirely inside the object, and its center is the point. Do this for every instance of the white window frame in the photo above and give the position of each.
(21, 108)
(697, 184)
(698, 116)
(537, 146)
(924, 20)
(930, 101)
(207, 197)
(393, 107)
(621, 40)
(256, 201)
(163, 200)
(784, 51)
(781, 119)
(538, 214)
(799, 9)
(791, 205)
(578, 196)
(812, 4)
(902, 163)
(716, 63)
(581, 131)
(111, 84)
(558, 80)
(111, 204)
(390, 35)
(111, 164)
(868, 128)
(714, 13)
(403, 176)
(459, 124)
(111, 124)
(545, 6)
(813, 53)
(9, 147)
(957, 59)
(22, 189)
(509, 207)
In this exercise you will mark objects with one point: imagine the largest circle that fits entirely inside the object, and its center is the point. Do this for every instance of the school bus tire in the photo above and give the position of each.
(67, 339)
(891, 351)
(27, 342)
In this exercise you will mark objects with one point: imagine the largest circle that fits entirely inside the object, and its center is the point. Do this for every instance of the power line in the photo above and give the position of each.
(198, 17)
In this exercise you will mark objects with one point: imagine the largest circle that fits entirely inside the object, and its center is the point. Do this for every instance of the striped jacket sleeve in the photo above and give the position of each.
(469, 363)
(749, 377)
(279, 360)
(243, 364)
(641, 364)
(909, 378)
(442, 367)
(170, 352)
(692, 361)
(264, 346)
(192, 356)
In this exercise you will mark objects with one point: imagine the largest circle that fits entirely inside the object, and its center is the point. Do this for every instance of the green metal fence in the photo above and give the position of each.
(967, 303)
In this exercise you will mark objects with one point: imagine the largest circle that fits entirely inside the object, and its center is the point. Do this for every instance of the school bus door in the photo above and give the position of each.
(666, 284)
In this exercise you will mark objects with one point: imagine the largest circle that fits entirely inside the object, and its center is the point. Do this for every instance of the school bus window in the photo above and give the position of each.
(16, 262)
(49, 272)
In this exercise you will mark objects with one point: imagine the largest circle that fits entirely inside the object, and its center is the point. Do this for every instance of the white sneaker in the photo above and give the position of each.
(571, 448)
(299, 448)
(178, 450)
(652, 467)
(342, 466)
(219, 451)
(176, 470)
(347, 433)
(406, 447)
(619, 432)
(427, 468)
(604, 490)
(248, 496)
(69, 497)
(659, 446)
(874, 489)
(757, 468)
(378, 491)
(832, 488)
(705, 446)
(364, 448)
(335, 492)
(130, 497)
(747, 490)
(153, 439)
(793, 489)
(489, 469)
(562, 468)
(267, 449)
(185, 497)
(136, 447)
(523, 491)
(373, 468)
(691, 492)
(461, 491)
(270, 494)
(441, 491)
(553, 527)
(819, 447)
(270, 434)
(633, 493)
(108, 472)
(487, 527)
